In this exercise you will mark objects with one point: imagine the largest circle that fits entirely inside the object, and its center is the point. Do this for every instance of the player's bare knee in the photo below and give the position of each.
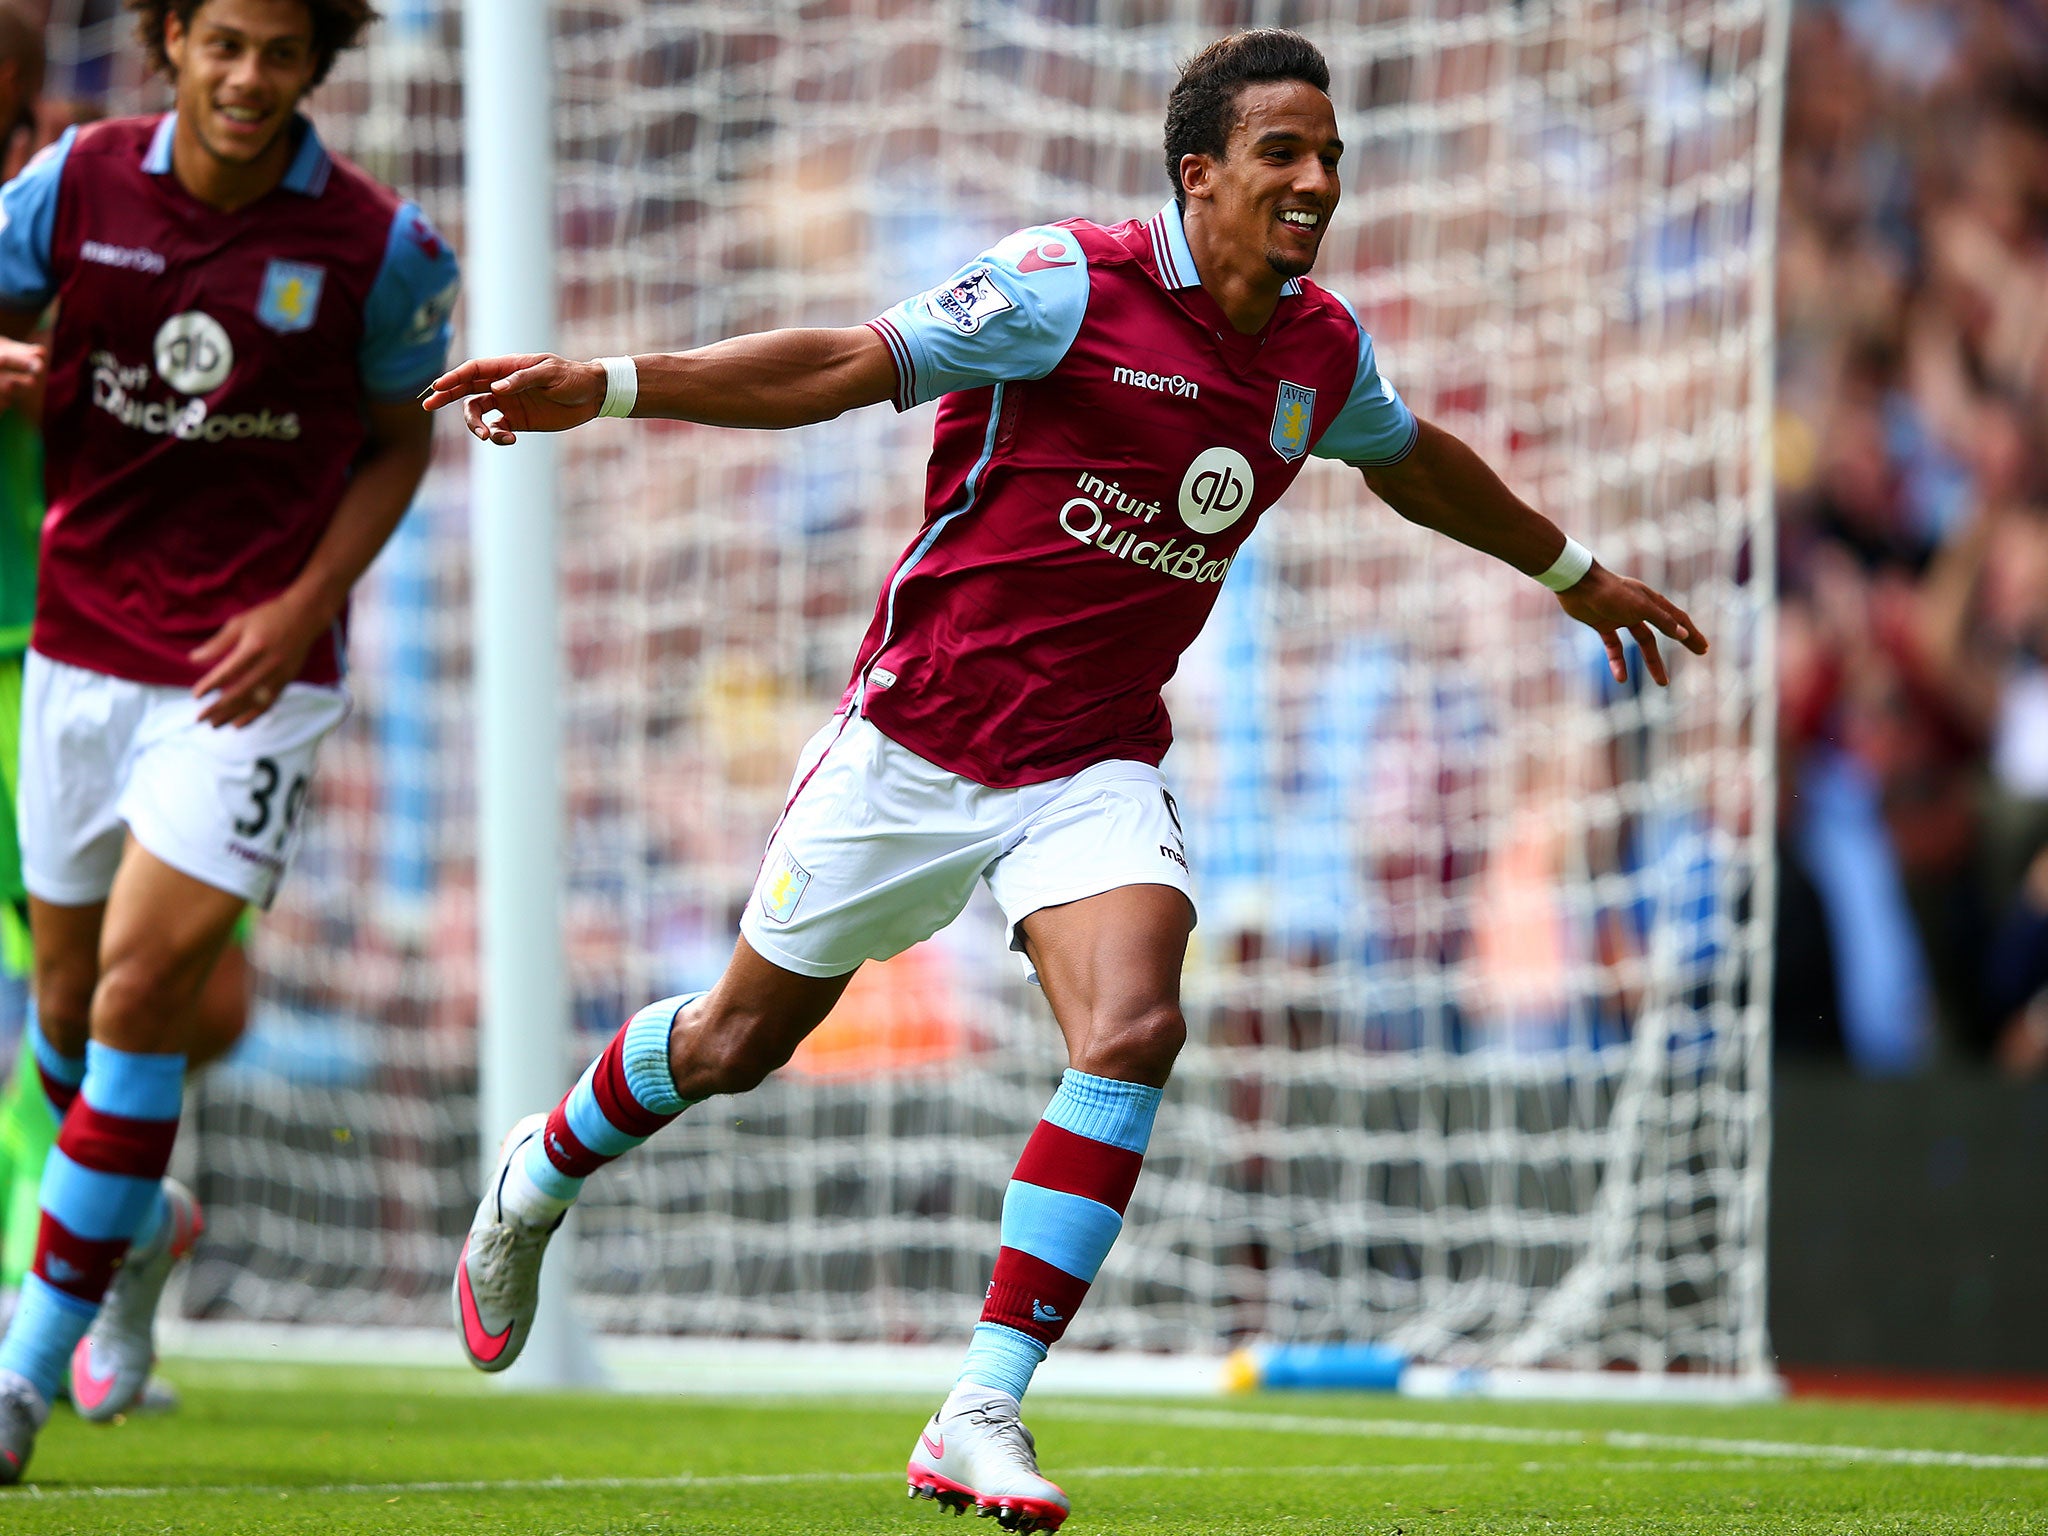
(139, 1006)
(1139, 1045)
(1157, 1035)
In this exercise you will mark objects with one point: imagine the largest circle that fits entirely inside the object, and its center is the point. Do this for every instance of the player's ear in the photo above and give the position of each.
(1196, 174)
(174, 38)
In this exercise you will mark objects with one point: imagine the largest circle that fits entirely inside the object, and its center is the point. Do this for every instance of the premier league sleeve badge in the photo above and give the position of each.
(967, 303)
(291, 296)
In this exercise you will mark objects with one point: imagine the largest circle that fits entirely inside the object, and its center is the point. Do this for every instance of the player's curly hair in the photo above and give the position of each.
(1203, 107)
(336, 26)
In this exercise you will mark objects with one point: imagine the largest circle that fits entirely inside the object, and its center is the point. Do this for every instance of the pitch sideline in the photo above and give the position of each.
(1510, 1434)
(31, 1493)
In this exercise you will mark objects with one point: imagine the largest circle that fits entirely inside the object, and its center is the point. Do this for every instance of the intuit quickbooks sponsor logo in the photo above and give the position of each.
(1085, 520)
(1159, 383)
(116, 389)
(1110, 496)
(1216, 491)
(193, 353)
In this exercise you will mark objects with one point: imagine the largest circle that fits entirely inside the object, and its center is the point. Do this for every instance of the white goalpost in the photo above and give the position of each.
(1479, 1056)
(523, 985)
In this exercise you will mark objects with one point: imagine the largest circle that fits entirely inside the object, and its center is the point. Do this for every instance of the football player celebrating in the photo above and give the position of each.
(1118, 406)
(243, 321)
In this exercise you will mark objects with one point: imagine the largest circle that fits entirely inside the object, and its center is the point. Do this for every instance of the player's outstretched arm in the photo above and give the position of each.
(1442, 484)
(775, 379)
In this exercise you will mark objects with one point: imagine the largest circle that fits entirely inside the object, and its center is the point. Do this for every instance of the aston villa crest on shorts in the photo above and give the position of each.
(1294, 415)
(783, 885)
(291, 296)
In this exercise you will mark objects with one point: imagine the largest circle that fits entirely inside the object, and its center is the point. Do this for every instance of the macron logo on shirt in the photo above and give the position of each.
(1159, 383)
(129, 258)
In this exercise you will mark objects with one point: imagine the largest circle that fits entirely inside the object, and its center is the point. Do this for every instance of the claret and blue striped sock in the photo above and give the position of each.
(622, 1098)
(60, 1074)
(1063, 1209)
(102, 1186)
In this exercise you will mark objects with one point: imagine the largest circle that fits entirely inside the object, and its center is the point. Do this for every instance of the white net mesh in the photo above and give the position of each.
(1477, 1006)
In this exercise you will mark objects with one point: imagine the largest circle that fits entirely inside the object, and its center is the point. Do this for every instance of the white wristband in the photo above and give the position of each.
(1569, 567)
(621, 386)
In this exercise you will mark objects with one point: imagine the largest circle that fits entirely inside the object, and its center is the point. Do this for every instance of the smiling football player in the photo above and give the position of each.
(242, 324)
(1118, 406)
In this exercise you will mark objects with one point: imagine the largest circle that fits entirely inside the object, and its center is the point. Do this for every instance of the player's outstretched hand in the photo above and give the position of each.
(251, 658)
(1609, 604)
(529, 392)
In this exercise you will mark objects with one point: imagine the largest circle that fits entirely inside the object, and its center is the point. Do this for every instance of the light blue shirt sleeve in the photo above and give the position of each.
(406, 320)
(1011, 313)
(28, 228)
(1375, 427)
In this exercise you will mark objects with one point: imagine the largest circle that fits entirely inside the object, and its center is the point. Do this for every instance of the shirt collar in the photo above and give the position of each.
(1172, 255)
(306, 175)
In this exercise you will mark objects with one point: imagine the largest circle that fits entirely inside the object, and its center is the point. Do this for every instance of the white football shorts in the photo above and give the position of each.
(879, 849)
(221, 804)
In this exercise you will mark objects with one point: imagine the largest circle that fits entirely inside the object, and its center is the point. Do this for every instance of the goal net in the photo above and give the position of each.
(1478, 1057)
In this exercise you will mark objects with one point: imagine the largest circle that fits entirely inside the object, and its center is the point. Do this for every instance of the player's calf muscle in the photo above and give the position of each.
(715, 1050)
(67, 941)
(730, 1039)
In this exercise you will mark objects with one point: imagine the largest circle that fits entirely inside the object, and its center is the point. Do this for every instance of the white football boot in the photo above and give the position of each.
(22, 1412)
(977, 1453)
(111, 1365)
(497, 1279)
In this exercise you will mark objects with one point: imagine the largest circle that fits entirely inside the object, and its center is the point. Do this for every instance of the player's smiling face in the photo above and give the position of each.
(242, 67)
(1277, 186)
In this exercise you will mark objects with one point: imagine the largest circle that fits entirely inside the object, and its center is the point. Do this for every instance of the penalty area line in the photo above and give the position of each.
(681, 1482)
(1513, 1434)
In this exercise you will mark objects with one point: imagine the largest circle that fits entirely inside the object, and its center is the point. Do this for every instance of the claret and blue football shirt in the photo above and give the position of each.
(207, 380)
(1105, 443)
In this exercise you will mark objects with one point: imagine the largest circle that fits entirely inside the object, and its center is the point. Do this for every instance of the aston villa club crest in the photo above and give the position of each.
(1294, 416)
(782, 887)
(291, 296)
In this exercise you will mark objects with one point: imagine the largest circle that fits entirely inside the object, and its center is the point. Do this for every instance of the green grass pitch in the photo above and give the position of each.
(283, 1449)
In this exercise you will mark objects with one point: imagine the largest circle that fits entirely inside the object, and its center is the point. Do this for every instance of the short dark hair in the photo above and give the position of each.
(336, 26)
(1203, 107)
(22, 41)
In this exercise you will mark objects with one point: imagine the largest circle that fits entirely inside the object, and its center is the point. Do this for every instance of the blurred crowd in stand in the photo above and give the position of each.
(1912, 469)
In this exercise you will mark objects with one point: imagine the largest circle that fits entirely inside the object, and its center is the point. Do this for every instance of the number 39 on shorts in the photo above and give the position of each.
(265, 814)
